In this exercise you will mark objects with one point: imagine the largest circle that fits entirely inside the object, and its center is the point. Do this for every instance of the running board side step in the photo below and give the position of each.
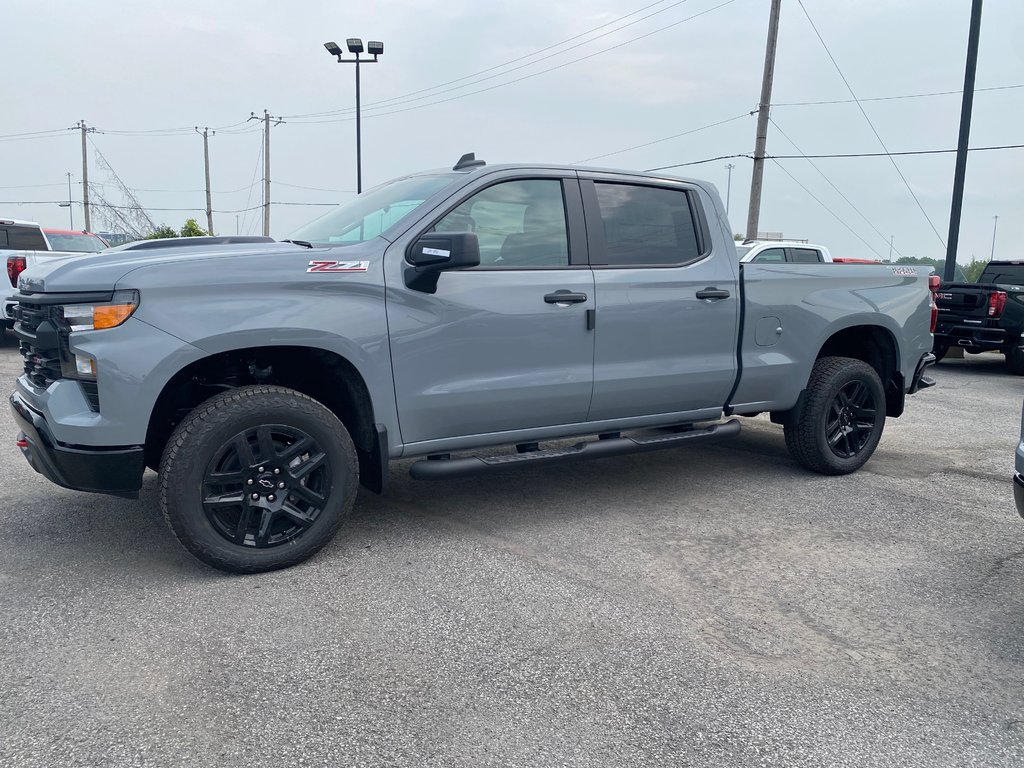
(443, 468)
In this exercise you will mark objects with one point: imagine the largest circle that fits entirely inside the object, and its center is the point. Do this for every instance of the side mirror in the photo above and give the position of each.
(437, 252)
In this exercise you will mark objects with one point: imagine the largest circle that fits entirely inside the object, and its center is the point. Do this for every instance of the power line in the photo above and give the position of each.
(896, 154)
(834, 214)
(530, 75)
(698, 162)
(667, 138)
(893, 98)
(872, 125)
(405, 96)
(831, 184)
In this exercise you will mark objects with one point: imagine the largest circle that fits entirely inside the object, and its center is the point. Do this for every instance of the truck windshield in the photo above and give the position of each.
(372, 212)
(743, 250)
(81, 243)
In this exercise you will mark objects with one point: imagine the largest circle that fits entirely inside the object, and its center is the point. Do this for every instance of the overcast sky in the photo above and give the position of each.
(151, 66)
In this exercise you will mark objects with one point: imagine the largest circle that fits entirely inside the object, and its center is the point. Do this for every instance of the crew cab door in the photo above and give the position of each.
(505, 345)
(667, 301)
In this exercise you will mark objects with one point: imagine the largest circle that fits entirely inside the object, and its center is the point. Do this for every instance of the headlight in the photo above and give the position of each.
(109, 314)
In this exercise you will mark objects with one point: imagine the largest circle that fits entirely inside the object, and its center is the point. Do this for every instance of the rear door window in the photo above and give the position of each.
(647, 226)
(805, 256)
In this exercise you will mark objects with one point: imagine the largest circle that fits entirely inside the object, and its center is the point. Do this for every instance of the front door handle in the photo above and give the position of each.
(713, 293)
(565, 297)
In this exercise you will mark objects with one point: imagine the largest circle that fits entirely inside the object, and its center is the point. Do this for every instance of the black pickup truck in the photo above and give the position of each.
(984, 316)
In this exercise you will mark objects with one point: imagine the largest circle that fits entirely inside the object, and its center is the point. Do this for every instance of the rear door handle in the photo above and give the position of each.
(565, 297)
(713, 293)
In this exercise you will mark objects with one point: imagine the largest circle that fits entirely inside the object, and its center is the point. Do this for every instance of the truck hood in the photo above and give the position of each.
(104, 270)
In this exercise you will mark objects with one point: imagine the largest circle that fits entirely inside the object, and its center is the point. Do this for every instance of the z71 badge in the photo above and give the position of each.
(338, 266)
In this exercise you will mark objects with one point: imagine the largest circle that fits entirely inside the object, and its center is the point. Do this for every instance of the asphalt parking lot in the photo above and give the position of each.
(701, 606)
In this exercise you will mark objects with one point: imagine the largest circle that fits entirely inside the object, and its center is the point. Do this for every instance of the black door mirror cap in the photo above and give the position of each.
(436, 252)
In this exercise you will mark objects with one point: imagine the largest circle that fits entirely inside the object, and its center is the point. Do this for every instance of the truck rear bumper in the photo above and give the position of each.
(115, 470)
(970, 336)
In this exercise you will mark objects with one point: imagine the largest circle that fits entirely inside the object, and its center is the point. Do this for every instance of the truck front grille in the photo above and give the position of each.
(43, 341)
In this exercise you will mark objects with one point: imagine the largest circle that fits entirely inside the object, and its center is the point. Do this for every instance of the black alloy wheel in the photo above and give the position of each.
(266, 486)
(836, 428)
(258, 478)
(851, 420)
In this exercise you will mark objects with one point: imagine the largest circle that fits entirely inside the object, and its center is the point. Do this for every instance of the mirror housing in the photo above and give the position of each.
(436, 252)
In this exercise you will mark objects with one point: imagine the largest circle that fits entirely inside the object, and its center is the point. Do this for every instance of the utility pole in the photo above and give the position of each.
(267, 117)
(995, 223)
(891, 239)
(960, 173)
(763, 107)
(206, 133)
(728, 188)
(81, 126)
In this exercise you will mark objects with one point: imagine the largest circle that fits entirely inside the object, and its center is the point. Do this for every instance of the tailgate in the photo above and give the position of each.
(964, 299)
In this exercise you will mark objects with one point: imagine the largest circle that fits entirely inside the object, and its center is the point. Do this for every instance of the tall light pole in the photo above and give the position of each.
(728, 188)
(891, 239)
(374, 48)
(995, 223)
(69, 204)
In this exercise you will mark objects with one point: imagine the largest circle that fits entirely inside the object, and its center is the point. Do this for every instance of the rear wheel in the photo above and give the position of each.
(841, 421)
(257, 478)
(1015, 361)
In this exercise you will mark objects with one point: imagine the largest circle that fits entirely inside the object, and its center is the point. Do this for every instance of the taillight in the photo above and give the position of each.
(16, 265)
(935, 314)
(996, 303)
(934, 281)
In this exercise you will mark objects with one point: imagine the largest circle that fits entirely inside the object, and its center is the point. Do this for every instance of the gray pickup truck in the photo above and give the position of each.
(445, 315)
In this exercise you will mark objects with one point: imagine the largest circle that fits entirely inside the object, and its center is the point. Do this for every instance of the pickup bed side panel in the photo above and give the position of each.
(792, 310)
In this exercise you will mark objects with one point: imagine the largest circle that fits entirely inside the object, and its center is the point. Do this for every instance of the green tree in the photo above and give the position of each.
(161, 232)
(973, 270)
(738, 237)
(191, 228)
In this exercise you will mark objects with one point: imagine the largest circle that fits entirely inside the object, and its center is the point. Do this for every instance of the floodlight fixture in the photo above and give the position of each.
(375, 47)
(333, 48)
(355, 45)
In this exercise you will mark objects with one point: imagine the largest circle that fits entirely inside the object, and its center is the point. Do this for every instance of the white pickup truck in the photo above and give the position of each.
(781, 252)
(24, 244)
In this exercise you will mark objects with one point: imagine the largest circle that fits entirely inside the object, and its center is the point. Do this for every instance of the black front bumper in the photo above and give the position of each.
(1018, 493)
(116, 471)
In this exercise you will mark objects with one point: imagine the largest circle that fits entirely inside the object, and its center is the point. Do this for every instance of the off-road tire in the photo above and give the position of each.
(807, 430)
(215, 426)
(1015, 361)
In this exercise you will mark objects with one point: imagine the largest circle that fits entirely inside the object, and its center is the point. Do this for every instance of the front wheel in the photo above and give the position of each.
(257, 478)
(841, 421)
(940, 350)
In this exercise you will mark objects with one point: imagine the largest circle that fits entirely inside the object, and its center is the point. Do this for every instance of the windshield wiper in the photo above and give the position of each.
(303, 243)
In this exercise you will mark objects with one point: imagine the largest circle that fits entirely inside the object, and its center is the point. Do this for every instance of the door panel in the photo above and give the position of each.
(659, 348)
(486, 352)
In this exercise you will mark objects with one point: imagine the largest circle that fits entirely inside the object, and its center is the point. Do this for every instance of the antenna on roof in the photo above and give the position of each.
(468, 160)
